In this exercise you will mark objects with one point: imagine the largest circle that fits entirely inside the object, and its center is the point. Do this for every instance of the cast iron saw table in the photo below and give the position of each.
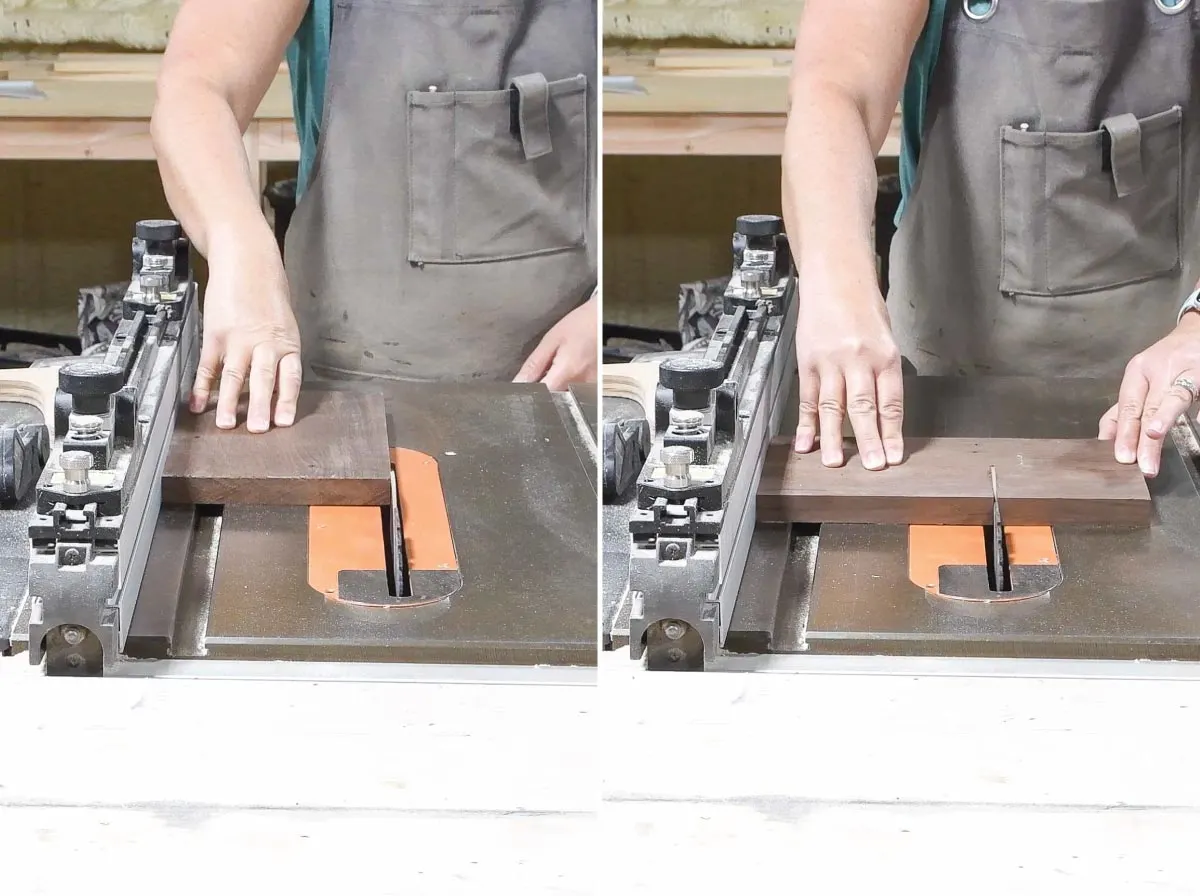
(518, 495)
(1126, 593)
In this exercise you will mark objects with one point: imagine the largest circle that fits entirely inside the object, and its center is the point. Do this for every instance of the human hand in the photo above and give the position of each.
(566, 354)
(250, 334)
(848, 364)
(1152, 398)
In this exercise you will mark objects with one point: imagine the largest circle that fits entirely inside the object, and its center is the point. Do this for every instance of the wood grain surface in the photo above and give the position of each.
(636, 382)
(947, 482)
(336, 453)
(33, 386)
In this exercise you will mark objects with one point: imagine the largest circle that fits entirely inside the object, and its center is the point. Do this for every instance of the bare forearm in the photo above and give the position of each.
(829, 183)
(202, 162)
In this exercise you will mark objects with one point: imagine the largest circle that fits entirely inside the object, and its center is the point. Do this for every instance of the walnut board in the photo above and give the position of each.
(946, 481)
(335, 454)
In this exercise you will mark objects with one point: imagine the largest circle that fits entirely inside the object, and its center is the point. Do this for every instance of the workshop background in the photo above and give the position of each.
(66, 213)
(668, 210)
(683, 159)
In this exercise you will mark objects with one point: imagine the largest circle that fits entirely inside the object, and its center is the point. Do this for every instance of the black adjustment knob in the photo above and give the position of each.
(158, 231)
(90, 379)
(760, 225)
(691, 374)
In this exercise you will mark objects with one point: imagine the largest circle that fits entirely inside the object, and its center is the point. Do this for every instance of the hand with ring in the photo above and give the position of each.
(1160, 384)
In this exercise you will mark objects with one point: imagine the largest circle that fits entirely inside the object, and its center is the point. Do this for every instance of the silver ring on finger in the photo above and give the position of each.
(1188, 385)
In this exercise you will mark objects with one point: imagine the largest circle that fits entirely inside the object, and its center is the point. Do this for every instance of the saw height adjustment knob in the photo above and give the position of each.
(759, 226)
(691, 380)
(90, 384)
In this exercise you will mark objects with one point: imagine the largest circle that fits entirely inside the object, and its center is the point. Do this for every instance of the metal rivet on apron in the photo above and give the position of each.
(1173, 7)
(982, 10)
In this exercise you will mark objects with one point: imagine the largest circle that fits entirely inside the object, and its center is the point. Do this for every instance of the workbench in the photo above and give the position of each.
(98, 106)
(989, 781)
(334, 779)
(934, 778)
(702, 102)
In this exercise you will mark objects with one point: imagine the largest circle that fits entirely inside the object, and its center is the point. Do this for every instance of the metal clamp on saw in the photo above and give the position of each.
(99, 495)
(714, 414)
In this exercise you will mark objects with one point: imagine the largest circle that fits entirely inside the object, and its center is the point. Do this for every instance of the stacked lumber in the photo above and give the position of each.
(134, 65)
(686, 81)
(107, 85)
(701, 101)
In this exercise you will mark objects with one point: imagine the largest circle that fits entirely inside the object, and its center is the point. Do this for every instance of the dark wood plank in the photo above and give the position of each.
(946, 481)
(336, 453)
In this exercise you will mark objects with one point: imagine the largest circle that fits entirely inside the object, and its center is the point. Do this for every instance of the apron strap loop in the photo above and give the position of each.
(1125, 152)
(533, 114)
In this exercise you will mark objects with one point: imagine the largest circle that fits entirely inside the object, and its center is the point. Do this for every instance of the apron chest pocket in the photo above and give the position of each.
(1087, 212)
(498, 174)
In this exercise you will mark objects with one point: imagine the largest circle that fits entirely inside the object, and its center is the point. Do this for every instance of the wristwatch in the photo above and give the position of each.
(1191, 303)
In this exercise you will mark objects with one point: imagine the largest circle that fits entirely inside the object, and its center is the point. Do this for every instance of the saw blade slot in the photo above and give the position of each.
(968, 563)
(999, 575)
(398, 556)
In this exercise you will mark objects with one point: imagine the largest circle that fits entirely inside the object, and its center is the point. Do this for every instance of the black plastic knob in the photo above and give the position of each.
(158, 231)
(90, 379)
(760, 225)
(691, 374)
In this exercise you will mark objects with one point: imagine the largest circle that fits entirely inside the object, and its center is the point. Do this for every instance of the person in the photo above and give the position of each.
(444, 227)
(1050, 166)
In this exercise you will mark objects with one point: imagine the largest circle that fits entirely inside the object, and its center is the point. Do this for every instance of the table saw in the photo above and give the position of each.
(97, 572)
(693, 580)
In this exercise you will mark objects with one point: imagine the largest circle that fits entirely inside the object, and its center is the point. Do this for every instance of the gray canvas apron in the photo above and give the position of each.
(448, 220)
(1052, 228)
